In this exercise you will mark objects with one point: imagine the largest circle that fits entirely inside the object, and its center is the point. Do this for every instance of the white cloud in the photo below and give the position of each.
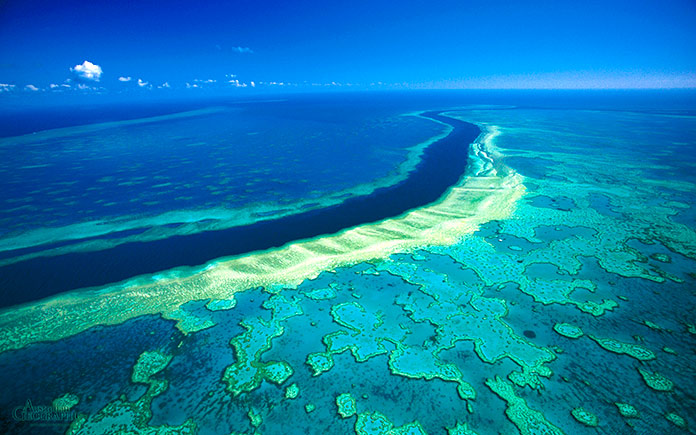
(87, 71)
(89, 88)
(31, 88)
(142, 84)
(5, 87)
(253, 85)
(238, 84)
(189, 85)
(124, 79)
(58, 88)
(243, 50)
(164, 85)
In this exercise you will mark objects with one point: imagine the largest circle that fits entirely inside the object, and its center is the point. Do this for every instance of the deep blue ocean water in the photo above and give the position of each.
(273, 154)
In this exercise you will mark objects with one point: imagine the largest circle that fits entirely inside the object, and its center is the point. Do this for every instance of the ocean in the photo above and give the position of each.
(415, 262)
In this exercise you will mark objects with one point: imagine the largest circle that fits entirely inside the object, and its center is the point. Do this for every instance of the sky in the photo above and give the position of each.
(111, 48)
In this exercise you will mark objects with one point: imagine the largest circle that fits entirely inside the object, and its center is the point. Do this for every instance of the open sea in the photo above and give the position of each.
(479, 262)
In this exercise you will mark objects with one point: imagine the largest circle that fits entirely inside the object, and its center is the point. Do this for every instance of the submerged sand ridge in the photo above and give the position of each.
(487, 192)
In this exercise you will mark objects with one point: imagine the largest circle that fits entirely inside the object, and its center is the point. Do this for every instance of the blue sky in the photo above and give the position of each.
(223, 47)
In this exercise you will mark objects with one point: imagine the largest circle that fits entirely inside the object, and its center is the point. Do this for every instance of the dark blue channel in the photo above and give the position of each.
(443, 163)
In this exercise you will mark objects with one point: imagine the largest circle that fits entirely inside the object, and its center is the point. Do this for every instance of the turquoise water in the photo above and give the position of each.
(556, 316)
